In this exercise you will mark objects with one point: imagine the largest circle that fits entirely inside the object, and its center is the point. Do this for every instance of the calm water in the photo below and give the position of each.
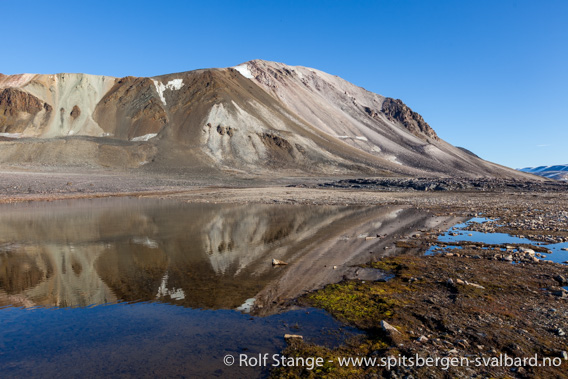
(558, 255)
(146, 288)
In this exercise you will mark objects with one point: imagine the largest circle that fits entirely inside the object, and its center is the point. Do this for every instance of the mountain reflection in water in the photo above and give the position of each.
(74, 254)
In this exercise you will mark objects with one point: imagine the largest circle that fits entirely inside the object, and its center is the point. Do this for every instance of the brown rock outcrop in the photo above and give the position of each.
(396, 110)
(75, 112)
(18, 108)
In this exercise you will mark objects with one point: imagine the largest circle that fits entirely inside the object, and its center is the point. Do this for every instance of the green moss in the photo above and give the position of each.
(360, 304)
(387, 265)
(400, 266)
(330, 368)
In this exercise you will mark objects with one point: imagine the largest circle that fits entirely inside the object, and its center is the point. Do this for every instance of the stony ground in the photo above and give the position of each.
(444, 307)
(479, 302)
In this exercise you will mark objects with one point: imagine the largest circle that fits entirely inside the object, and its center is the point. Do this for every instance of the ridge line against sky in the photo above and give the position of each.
(488, 76)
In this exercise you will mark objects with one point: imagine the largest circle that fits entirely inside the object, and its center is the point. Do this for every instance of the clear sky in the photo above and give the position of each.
(491, 76)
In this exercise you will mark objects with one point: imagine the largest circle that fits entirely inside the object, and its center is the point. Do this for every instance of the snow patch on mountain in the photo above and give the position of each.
(174, 84)
(360, 138)
(144, 138)
(11, 135)
(244, 70)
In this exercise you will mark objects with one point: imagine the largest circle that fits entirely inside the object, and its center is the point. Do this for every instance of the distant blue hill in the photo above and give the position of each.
(558, 172)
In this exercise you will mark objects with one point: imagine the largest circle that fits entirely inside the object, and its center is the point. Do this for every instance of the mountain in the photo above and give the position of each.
(558, 172)
(259, 117)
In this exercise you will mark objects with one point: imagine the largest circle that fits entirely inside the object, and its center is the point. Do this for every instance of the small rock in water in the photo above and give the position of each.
(293, 336)
(277, 262)
(529, 252)
(564, 248)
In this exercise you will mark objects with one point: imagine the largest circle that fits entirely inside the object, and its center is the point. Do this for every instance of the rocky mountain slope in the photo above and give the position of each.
(259, 117)
(558, 172)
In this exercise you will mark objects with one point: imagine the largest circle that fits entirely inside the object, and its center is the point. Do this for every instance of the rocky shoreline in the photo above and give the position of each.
(444, 184)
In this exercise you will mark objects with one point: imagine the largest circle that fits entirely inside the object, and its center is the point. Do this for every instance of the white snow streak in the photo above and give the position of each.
(360, 138)
(174, 84)
(145, 137)
(244, 70)
(11, 135)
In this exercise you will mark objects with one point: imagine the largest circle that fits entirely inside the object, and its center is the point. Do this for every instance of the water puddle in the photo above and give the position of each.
(148, 339)
(458, 233)
(158, 288)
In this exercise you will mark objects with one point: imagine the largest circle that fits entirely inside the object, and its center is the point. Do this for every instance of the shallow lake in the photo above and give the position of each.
(459, 233)
(136, 287)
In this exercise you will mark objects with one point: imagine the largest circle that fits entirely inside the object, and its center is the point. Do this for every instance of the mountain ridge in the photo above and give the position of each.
(258, 117)
(556, 172)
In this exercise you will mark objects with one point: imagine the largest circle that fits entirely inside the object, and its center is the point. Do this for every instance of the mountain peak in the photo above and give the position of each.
(258, 117)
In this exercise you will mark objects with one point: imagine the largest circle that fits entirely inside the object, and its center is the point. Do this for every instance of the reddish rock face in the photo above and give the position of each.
(13, 101)
(131, 109)
(18, 108)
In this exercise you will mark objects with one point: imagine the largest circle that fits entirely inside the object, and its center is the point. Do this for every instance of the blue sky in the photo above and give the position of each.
(491, 76)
